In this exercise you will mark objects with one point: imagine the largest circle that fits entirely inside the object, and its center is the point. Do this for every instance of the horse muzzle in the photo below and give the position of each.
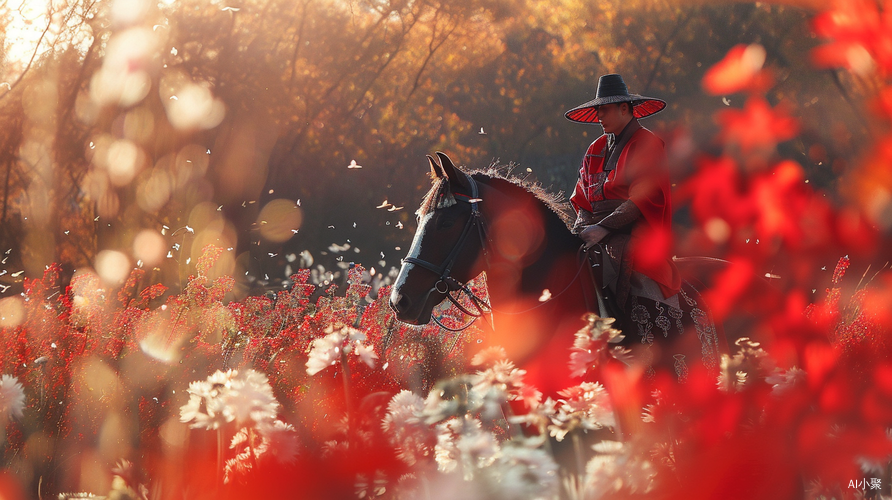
(409, 311)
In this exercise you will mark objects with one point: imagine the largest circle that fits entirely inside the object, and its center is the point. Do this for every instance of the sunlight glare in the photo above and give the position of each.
(128, 12)
(12, 312)
(123, 79)
(278, 218)
(112, 266)
(124, 160)
(193, 106)
(149, 246)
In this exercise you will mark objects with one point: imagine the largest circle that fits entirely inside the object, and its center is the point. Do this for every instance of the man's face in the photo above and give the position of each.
(612, 118)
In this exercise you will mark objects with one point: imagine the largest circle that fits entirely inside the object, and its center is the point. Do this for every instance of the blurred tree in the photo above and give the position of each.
(154, 129)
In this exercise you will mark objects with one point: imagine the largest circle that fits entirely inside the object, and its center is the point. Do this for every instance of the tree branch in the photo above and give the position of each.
(431, 50)
(653, 72)
(46, 30)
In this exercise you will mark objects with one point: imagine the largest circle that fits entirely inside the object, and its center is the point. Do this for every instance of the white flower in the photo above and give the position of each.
(12, 397)
(228, 396)
(249, 398)
(242, 463)
(274, 440)
(449, 398)
(204, 394)
(499, 383)
(782, 381)
(608, 447)
(489, 404)
(581, 360)
(326, 351)
(462, 440)
(530, 396)
(502, 375)
(405, 427)
(617, 469)
(539, 416)
(489, 356)
(366, 354)
(649, 414)
(190, 413)
(587, 407)
(280, 440)
(333, 446)
(404, 409)
(591, 343)
(523, 470)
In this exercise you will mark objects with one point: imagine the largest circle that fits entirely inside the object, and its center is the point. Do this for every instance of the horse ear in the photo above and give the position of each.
(456, 177)
(436, 170)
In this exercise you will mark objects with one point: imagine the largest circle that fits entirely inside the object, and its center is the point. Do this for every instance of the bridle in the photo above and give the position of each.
(446, 283)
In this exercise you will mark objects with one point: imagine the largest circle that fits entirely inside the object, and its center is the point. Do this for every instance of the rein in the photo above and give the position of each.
(450, 284)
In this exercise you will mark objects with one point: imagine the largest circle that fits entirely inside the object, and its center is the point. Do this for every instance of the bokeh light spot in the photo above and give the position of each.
(149, 246)
(278, 219)
(153, 193)
(717, 230)
(128, 12)
(124, 160)
(12, 312)
(112, 266)
(194, 107)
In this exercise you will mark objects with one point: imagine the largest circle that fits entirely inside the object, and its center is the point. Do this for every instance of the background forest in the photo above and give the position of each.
(127, 122)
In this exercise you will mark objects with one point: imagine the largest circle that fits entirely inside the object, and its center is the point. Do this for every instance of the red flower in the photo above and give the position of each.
(715, 191)
(756, 127)
(861, 36)
(740, 70)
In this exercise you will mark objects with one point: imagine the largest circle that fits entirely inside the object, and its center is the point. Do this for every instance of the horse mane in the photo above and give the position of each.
(556, 202)
(440, 195)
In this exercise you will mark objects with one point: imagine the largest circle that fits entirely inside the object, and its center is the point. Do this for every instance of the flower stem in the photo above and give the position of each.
(251, 450)
(543, 431)
(345, 376)
(219, 458)
(507, 413)
(580, 461)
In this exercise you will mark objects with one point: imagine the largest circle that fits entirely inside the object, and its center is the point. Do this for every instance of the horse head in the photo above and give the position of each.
(447, 245)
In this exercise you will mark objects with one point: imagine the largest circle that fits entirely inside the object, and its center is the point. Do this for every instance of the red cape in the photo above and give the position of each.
(641, 176)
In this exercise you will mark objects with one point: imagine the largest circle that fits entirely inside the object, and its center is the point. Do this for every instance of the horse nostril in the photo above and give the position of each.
(399, 302)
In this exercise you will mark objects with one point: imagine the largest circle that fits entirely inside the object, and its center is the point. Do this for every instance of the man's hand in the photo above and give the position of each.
(591, 235)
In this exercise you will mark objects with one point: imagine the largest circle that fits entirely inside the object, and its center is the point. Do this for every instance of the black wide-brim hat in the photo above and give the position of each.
(611, 90)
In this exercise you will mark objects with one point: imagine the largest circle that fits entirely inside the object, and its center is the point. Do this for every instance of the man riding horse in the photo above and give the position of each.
(482, 221)
(624, 216)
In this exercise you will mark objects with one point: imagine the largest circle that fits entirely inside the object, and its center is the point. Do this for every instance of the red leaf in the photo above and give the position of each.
(730, 285)
(756, 127)
(741, 69)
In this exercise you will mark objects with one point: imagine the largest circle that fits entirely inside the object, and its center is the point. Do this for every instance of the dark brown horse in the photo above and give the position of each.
(518, 235)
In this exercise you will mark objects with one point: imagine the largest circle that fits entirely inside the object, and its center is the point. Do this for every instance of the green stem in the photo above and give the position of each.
(543, 431)
(345, 376)
(219, 459)
(251, 450)
(580, 461)
(507, 413)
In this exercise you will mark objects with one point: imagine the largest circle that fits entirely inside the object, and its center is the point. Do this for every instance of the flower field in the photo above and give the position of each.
(290, 397)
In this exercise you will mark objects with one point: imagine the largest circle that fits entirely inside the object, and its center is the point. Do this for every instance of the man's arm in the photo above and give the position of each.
(623, 218)
(593, 234)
